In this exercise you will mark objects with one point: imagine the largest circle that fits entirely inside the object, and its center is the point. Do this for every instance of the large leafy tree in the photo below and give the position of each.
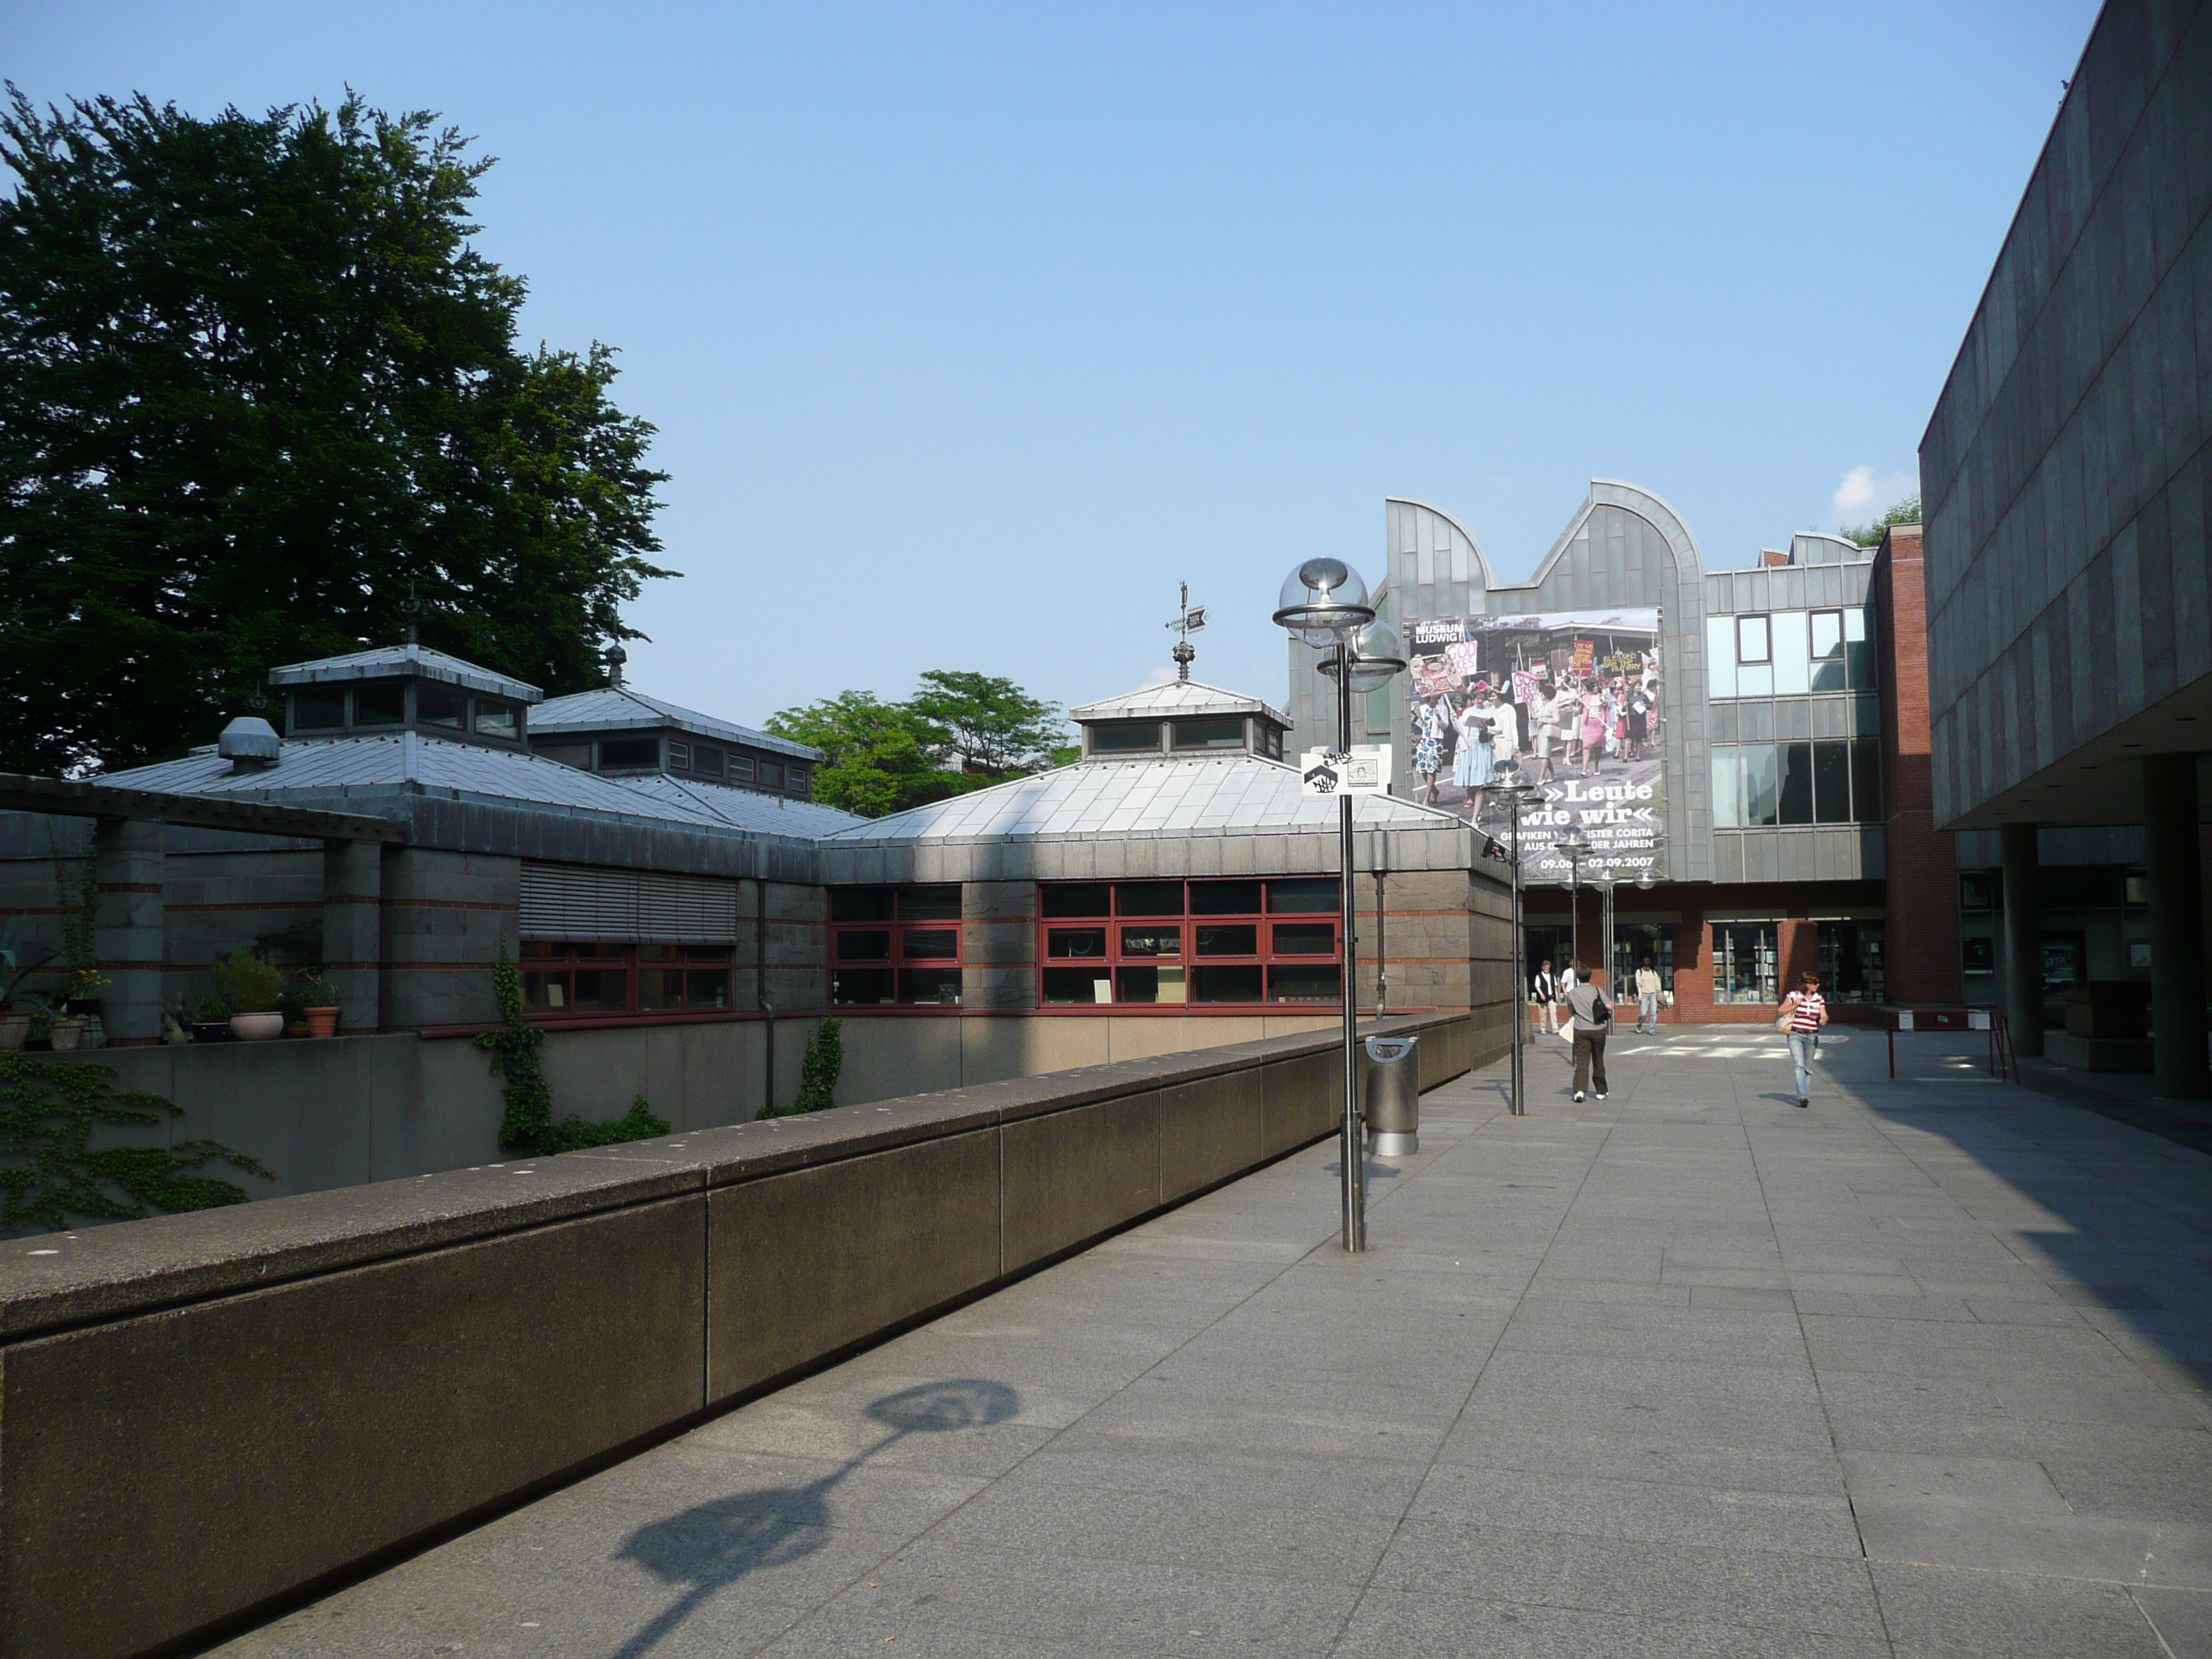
(958, 732)
(257, 388)
(988, 724)
(875, 755)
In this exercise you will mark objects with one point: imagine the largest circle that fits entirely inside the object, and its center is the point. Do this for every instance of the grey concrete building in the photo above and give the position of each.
(682, 936)
(1756, 874)
(2068, 491)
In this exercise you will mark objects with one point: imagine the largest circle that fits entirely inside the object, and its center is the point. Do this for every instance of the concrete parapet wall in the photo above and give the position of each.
(204, 1416)
(355, 1110)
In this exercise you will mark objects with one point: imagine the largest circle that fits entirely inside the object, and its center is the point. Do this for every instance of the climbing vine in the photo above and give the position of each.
(48, 1110)
(818, 1073)
(528, 1126)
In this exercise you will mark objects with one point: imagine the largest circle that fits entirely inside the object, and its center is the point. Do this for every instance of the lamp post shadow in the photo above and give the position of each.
(711, 1545)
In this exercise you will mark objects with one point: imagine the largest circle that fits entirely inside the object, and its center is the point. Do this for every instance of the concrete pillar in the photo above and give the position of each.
(998, 932)
(353, 950)
(2023, 935)
(129, 926)
(2176, 936)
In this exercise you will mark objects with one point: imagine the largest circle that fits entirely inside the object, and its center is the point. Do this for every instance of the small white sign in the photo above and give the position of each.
(1364, 769)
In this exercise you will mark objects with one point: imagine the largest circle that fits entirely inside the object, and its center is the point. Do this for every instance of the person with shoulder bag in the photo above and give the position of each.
(1804, 1012)
(1593, 1020)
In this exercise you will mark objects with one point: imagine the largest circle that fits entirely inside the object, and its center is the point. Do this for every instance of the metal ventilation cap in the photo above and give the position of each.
(248, 738)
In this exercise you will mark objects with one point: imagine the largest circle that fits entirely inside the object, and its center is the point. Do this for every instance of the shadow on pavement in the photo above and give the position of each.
(2130, 1217)
(712, 1546)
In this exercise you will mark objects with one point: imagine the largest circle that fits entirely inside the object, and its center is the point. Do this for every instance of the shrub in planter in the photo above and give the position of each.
(249, 983)
(254, 988)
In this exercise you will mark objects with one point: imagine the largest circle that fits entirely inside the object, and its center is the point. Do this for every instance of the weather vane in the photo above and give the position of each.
(411, 608)
(1187, 621)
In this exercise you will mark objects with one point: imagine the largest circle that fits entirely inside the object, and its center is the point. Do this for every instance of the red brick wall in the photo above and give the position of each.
(1794, 903)
(1921, 940)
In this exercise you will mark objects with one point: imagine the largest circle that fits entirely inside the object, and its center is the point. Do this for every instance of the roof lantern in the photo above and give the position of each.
(401, 688)
(619, 731)
(1184, 717)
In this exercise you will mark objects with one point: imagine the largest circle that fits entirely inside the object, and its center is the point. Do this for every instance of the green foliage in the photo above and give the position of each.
(48, 1110)
(314, 991)
(988, 724)
(818, 1071)
(1869, 535)
(959, 732)
(528, 1127)
(248, 983)
(876, 756)
(255, 384)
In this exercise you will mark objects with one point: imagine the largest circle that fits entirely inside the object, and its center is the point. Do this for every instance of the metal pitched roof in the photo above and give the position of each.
(409, 762)
(419, 660)
(1186, 697)
(1186, 795)
(748, 809)
(621, 708)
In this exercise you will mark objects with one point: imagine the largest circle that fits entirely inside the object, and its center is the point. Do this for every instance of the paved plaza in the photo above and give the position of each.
(1924, 1369)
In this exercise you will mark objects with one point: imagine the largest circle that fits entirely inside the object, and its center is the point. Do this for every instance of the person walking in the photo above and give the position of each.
(1804, 1012)
(1593, 1020)
(1647, 999)
(1544, 997)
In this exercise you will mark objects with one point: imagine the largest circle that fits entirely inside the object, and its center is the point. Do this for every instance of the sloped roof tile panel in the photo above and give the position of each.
(1188, 698)
(395, 660)
(1216, 794)
(748, 809)
(623, 708)
(408, 762)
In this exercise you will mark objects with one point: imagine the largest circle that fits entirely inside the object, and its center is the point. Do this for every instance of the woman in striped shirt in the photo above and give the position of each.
(1806, 1011)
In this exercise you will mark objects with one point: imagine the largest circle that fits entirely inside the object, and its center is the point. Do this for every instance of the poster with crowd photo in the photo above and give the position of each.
(1568, 702)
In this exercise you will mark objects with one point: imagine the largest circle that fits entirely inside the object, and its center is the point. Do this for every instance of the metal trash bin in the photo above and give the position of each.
(1390, 1094)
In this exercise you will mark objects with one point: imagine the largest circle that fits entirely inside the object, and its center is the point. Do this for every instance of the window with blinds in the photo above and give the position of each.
(580, 901)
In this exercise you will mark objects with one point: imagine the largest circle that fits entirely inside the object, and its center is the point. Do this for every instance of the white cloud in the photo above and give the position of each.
(1160, 677)
(1865, 494)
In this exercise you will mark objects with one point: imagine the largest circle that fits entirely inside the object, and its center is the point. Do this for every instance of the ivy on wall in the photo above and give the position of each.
(528, 1127)
(48, 1110)
(818, 1073)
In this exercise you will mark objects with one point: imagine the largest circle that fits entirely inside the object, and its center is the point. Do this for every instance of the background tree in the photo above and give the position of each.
(988, 724)
(876, 756)
(255, 383)
(1869, 535)
(959, 732)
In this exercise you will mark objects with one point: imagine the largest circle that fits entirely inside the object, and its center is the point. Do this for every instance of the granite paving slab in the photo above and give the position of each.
(1924, 1369)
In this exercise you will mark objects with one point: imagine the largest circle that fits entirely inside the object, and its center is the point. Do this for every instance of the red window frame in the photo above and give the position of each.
(1252, 942)
(647, 980)
(896, 947)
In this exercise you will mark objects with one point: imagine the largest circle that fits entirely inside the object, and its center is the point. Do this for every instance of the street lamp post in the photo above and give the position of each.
(1516, 796)
(1574, 848)
(1604, 882)
(1324, 603)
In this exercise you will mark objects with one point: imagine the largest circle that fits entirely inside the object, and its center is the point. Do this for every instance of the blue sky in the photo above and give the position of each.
(972, 330)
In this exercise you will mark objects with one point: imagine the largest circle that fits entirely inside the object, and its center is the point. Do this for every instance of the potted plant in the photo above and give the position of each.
(14, 969)
(254, 988)
(78, 1000)
(319, 1000)
(211, 1020)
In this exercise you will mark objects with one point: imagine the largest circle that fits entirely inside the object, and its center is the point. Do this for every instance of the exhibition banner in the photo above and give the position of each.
(1568, 702)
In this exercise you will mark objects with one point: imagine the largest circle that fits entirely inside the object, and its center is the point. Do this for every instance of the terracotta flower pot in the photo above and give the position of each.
(256, 1028)
(65, 1033)
(322, 1022)
(14, 1031)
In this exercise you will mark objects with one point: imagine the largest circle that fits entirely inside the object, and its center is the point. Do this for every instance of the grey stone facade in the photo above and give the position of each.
(1627, 547)
(2068, 486)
